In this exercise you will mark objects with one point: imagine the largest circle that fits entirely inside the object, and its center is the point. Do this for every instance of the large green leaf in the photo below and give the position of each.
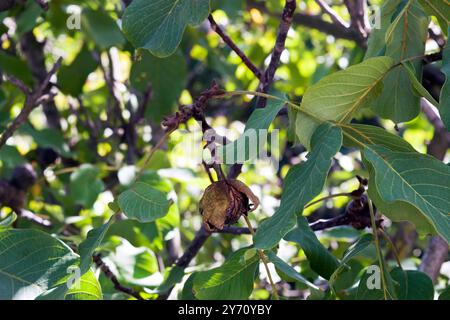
(357, 135)
(239, 150)
(303, 182)
(402, 35)
(231, 281)
(144, 203)
(338, 96)
(445, 91)
(417, 179)
(158, 25)
(413, 285)
(167, 78)
(362, 136)
(32, 262)
(320, 259)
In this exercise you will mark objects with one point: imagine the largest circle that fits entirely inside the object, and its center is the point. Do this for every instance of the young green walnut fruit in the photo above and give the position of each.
(224, 202)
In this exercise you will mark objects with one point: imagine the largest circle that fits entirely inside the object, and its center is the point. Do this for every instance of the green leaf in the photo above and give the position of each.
(231, 281)
(445, 294)
(320, 259)
(351, 252)
(32, 262)
(366, 290)
(8, 221)
(361, 136)
(404, 25)
(417, 85)
(288, 270)
(85, 185)
(417, 179)
(413, 285)
(158, 25)
(16, 67)
(357, 135)
(303, 182)
(440, 9)
(167, 78)
(102, 29)
(93, 240)
(338, 96)
(10, 157)
(238, 151)
(445, 91)
(86, 288)
(72, 78)
(174, 276)
(144, 203)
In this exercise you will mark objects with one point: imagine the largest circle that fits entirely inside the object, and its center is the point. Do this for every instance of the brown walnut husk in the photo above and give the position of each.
(224, 202)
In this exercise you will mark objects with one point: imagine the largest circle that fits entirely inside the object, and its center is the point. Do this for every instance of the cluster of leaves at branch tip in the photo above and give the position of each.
(224, 202)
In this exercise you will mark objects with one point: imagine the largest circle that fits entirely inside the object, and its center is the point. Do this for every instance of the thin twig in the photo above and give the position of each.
(378, 249)
(280, 41)
(234, 47)
(332, 14)
(32, 100)
(108, 273)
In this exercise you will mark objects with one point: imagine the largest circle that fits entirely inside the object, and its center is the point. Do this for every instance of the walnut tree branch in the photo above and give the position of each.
(32, 100)
(234, 47)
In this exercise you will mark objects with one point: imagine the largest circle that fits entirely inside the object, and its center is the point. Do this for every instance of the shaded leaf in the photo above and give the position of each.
(440, 9)
(404, 27)
(85, 185)
(445, 91)
(103, 30)
(158, 25)
(417, 179)
(303, 182)
(351, 252)
(288, 270)
(320, 259)
(421, 91)
(413, 285)
(167, 79)
(72, 78)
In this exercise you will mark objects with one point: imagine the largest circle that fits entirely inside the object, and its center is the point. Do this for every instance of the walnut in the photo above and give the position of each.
(224, 202)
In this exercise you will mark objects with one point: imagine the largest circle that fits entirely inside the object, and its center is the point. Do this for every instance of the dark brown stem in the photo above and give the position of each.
(197, 243)
(108, 273)
(269, 74)
(234, 47)
(32, 100)
(33, 50)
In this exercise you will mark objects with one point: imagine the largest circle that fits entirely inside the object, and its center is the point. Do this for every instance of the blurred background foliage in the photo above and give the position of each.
(101, 133)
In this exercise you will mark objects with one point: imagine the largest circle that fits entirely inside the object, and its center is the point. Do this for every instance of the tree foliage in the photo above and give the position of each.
(116, 116)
